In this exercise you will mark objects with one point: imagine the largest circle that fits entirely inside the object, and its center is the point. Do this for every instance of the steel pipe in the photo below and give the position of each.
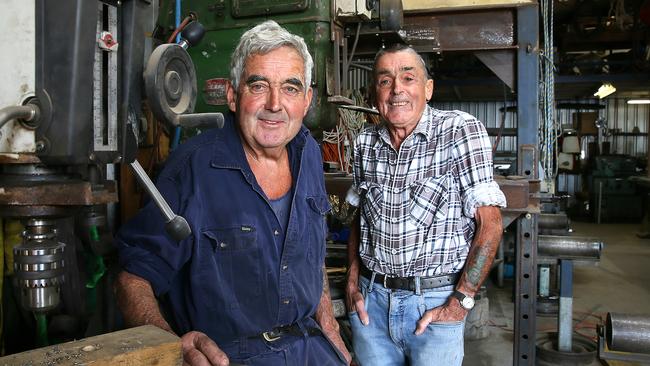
(628, 333)
(569, 247)
(176, 226)
(26, 112)
(553, 221)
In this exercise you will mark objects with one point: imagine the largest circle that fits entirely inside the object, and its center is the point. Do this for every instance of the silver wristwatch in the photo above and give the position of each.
(467, 302)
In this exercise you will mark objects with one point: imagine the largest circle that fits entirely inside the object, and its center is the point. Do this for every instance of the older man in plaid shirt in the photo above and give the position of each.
(429, 223)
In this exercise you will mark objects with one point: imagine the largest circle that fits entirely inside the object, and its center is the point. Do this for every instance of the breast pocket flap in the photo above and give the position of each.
(428, 200)
(232, 239)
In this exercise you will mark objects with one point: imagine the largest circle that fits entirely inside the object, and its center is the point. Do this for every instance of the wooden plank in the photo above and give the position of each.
(447, 5)
(145, 345)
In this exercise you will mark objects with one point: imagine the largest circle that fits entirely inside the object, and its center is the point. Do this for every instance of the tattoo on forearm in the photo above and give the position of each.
(476, 268)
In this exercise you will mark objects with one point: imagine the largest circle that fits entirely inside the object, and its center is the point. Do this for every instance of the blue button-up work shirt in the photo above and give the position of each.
(229, 279)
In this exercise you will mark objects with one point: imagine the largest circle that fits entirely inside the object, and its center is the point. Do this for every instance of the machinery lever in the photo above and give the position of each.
(199, 120)
(176, 226)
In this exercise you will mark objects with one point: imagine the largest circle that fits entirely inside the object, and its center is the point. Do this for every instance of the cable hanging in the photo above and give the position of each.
(349, 125)
(548, 129)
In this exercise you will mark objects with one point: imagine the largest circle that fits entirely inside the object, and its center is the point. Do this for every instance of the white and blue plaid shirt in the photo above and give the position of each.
(418, 203)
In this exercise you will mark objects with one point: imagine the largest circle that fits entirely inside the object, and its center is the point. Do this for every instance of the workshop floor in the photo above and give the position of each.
(620, 283)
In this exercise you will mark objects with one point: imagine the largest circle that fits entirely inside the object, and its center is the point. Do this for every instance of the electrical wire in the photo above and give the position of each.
(341, 139)
(180, 27)
(548, 128)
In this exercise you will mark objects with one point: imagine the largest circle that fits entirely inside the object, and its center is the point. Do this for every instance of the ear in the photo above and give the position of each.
(231, 95)
(428, 89)
(308, 96)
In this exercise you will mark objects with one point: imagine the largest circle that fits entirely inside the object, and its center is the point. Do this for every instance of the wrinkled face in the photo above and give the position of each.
(271, 99)
(401, 88)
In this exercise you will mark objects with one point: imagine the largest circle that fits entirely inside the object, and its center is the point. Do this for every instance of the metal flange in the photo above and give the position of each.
(170, 82)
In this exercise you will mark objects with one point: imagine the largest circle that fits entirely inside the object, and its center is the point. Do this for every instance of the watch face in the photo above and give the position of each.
(467, 302)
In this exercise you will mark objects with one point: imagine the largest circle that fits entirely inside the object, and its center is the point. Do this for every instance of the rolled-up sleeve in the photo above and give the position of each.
(473, 158)
(483, 194)
(144, 247)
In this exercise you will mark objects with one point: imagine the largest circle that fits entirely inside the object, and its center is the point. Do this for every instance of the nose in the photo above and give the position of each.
(273, 100)
(397, 86)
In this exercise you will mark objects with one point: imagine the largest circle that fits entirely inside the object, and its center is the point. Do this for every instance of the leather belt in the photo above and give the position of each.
(292, 329)
(408, 283)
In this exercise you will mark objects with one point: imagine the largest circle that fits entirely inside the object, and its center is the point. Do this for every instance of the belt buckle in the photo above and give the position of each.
(384, 282)
(270, 336)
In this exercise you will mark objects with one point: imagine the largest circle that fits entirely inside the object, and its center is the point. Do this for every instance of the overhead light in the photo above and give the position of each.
(605, 90)
(638, 101)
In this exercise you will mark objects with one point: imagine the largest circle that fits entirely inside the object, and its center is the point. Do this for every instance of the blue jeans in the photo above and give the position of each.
(389, 339)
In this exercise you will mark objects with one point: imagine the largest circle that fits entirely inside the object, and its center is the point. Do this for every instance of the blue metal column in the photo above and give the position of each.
(527, 163)
(565, 316)
(527, 83)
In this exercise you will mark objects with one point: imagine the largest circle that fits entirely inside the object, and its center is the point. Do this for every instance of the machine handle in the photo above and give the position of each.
(201, 120)
(192, 34)
(176, 226)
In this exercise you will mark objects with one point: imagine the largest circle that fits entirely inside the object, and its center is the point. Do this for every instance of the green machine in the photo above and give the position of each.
(325, 25)
(613, 195)
(225, 21)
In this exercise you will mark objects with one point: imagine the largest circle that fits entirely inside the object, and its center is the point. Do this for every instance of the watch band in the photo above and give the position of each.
(462, 298)
(459, 295)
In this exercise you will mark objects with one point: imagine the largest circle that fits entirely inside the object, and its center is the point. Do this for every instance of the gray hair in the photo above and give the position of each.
(398, 47)
(262, 39)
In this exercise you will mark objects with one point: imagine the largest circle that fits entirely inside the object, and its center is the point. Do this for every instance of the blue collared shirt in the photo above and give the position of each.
(228, 279)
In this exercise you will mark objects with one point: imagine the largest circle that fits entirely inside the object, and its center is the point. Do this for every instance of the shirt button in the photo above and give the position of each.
(285, 267)
(396, 190)
(223, 245)
(394, 251)
(286, 302)
(276, 232)
(393, 220)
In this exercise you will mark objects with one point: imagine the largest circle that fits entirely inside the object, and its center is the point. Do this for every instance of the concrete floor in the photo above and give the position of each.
(620, 283)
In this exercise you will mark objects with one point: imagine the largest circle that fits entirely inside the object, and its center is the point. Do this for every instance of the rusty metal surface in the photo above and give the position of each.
(59, 194)
(516, 191)
(21, 212)
(12, 158)
(456, 31)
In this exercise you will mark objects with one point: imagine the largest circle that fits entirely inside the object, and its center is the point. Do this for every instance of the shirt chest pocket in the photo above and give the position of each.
(429, 200)
(237, 262)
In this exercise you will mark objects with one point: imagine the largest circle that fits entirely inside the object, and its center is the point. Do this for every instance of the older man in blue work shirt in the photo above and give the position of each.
(248, 286)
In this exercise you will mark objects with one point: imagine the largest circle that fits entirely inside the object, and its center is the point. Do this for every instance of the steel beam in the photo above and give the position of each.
(525, 290)
(527, 140)
(565, 317)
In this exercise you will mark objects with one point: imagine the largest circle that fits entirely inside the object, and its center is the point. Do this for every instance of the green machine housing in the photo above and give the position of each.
(225, 21)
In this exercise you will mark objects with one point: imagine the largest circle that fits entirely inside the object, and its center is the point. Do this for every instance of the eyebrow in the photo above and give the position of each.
(255, 78)
(401, 69)
(295, 82)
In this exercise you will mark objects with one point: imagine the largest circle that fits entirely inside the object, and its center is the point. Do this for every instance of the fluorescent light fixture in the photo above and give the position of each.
(638, 101)
(605, 90)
